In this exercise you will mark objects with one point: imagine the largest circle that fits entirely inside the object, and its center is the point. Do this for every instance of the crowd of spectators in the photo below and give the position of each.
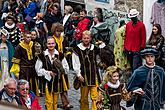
(39, 45)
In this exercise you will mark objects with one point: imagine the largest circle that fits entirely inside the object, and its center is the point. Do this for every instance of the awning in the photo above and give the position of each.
(77, 1)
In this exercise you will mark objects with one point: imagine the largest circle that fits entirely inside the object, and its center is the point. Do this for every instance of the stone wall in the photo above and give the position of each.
(125, 5)
(114, 11)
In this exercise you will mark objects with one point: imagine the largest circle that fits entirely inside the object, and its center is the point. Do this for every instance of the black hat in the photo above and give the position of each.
(149, 51)
(11, 16)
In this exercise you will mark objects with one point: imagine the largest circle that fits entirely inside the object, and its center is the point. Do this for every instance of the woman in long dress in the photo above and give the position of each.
(6, 53)
(120, 59)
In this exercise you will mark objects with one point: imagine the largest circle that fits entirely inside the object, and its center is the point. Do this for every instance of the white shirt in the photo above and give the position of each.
(42, 72)
(66, 17)
(75, 59)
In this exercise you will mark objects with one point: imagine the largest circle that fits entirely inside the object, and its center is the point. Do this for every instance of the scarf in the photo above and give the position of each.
(59, 42)
(28, 48)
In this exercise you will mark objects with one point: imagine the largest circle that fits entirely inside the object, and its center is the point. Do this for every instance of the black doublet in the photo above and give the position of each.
(56, 83)
(14, 35)
(89, 69)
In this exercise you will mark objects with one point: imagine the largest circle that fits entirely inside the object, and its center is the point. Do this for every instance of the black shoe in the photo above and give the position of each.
(41, 95)
(68, 107)
(60, 106)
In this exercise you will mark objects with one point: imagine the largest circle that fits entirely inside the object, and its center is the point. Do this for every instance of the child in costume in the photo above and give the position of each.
(149, 83)
(111, 91)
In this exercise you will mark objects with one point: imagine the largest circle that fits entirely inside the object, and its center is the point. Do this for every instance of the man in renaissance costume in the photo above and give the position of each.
(53, 70)
(14, 32)
(149, 83)
(24, 62)
(85, 66)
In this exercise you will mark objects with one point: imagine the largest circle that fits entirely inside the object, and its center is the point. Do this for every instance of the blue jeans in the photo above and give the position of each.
(134, 59)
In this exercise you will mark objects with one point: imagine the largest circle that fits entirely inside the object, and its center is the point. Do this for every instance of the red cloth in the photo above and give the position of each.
(34, 102)
(21, 26)
(81, 27)
(135, 38)
(106, 86)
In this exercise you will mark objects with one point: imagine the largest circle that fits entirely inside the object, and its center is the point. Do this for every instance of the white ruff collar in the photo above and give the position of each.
(115, 86)
(10, 27)
(150, 66)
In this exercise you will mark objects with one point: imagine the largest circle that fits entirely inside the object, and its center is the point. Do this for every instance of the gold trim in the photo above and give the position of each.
(115, 94)
(15, 60)
(85, 77)
(68, 53)
(64, 83)
(27, 66)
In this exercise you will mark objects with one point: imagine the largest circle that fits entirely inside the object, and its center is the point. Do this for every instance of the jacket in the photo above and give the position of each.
(81, 27)
(135, 39)
(31, 9)
(16, 96)
(34, 101)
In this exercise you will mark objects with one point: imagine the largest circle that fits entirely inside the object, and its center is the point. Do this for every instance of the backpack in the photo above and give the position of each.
(103, 35)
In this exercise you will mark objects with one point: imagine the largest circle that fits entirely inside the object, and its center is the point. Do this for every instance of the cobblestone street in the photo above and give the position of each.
(112, 50)
(74, 96)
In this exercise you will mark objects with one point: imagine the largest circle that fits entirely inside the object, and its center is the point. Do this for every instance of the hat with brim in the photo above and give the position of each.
(149, 51)
(133, 13)
(4, 32)
(10, 16)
